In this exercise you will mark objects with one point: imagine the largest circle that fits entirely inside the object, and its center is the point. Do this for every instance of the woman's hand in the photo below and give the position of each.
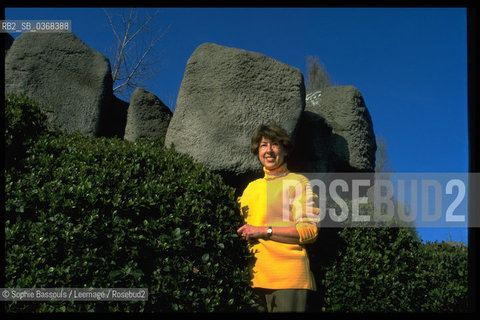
(251, 233)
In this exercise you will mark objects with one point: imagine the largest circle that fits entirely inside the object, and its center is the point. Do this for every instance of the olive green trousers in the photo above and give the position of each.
(282, 300)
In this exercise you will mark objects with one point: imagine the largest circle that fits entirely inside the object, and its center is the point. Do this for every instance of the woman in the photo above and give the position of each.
(280, 217)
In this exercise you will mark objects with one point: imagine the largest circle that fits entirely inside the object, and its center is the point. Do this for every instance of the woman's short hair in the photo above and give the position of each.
(273, 133)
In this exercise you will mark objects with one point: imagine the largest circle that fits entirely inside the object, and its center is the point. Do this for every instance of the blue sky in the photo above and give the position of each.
(410, 64)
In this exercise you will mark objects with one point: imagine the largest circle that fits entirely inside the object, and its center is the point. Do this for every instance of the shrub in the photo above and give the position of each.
(107, 213)
(389, 269)
(374, 273)
(25, 120)
(386, 268)
(444, 268)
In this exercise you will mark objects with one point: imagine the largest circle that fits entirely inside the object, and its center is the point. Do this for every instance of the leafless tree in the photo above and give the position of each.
(317, 76)
(384, 171)
(383, 165)
(134, 58)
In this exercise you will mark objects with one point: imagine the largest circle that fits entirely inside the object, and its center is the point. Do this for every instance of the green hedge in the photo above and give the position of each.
(25, 120)
(106, 213)
(388, 269)
(376, 272)
(444, 268)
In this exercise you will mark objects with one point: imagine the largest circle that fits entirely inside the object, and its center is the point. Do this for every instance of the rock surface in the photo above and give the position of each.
(147, 117)
(59, 70)
(226, 93)
(335, 133)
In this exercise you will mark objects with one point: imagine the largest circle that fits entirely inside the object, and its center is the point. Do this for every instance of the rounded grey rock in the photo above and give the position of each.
(147, 117)
(336, 133)
(61, 71)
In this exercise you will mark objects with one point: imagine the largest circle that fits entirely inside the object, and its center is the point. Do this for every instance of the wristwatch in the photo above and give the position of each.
(269, 232)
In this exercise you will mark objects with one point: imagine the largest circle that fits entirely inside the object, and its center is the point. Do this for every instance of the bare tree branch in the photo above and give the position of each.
(134, 59)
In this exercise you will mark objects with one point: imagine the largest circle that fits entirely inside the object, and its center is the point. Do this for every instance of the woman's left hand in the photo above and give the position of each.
(250, 233)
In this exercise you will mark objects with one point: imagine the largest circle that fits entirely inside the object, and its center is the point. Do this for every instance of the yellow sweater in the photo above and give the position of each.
(279, 199)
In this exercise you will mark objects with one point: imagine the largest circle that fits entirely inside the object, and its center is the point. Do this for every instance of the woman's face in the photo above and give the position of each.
(271, 154)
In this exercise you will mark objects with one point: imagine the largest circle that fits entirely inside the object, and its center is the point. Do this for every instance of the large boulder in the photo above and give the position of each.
(147, 117)
(225, 94)
(335, 133)
(59, 70)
